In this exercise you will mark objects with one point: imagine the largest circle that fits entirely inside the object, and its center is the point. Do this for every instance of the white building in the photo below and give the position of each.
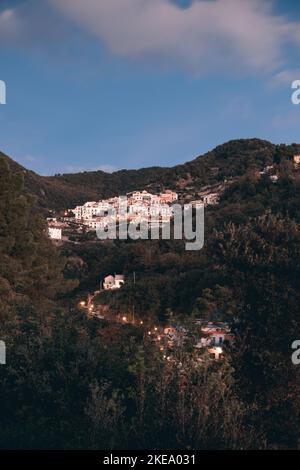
(140, 204)
(140, 196)
(296, 159)
(113, 282)
(55, 233)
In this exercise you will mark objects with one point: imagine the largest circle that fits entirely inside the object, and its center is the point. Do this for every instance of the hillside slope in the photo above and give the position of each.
(233, 158)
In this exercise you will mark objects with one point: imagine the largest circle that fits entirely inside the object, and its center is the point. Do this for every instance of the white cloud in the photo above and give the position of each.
(31, 23)
(8, 24)
(243, 35)
(235, 36)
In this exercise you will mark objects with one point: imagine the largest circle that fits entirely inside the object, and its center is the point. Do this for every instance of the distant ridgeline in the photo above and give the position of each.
(232, 159)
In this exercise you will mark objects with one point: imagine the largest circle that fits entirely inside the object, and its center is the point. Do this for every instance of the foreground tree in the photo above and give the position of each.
(31, 270)
(259, 264)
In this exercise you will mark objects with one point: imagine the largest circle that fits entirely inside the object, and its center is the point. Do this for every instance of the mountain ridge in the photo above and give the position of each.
(233, 158)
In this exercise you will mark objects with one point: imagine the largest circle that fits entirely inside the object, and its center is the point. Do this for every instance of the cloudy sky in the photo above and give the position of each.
(111, 84)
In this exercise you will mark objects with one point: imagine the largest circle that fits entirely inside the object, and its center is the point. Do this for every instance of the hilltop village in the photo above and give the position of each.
(71, 224)
(140, 206)
(78, 224)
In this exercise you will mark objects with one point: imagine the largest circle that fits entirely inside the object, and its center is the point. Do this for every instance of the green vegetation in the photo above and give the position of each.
(232, 159)
(75, 382)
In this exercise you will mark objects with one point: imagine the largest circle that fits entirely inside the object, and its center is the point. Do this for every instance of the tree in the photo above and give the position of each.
(260, 265)
(31, 269)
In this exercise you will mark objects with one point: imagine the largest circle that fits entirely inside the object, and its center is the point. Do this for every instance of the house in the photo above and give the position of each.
(140, 196)
(216, 353)
(168, 197)
(100, 222)
(266, 170)
(77, 212)
(55, 233)
(119, 281)
(296, 159)
(215, 335)
(113, 282)
(211, 199)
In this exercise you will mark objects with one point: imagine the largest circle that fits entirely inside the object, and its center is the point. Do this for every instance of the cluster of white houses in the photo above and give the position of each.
(142, 205)
(139, 205)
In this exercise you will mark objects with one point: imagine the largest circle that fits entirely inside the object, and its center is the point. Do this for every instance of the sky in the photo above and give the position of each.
(113, 84)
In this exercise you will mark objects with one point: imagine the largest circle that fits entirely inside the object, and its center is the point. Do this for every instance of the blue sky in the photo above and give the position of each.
(111, 84)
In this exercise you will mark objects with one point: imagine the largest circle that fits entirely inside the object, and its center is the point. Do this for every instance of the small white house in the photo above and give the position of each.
(113, 282)
(55, 233)
(297, 159)
(119, 281)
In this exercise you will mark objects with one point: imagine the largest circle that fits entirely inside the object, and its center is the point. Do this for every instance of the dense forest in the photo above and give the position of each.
(73, 382)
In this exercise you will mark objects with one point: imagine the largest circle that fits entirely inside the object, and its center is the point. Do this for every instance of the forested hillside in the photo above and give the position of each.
(232, 159)
(70, 382)
(76, 382)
